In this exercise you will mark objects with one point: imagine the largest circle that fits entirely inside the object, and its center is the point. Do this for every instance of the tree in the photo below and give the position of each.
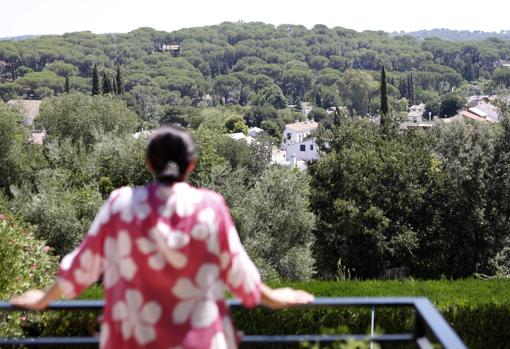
(228, 87)
(11, 139)
(120, 81)
(366, 192)
(95, 81)
(384, 96)
(67, 85)
(107, 84)
(236, 124)
(271, 95)
(450, 105)
(276, 225)
(83, 118)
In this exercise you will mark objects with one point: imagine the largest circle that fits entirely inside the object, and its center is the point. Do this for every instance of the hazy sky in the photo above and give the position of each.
(19, 17)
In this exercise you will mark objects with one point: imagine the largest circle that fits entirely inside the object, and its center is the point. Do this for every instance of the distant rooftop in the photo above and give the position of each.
(302, 126)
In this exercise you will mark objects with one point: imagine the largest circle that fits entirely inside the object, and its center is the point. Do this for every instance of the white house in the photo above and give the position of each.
(255, 132)
(416, 112)
(298, 141)
(305, 150)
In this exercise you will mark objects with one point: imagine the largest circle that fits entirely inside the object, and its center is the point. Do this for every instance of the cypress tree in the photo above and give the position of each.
(411, 89)
(114, 85)
(107, 84)
(95, 81)
(67, 84)
(384, 96)
(120, 81)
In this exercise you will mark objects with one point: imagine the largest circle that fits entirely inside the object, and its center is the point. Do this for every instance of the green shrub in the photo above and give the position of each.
(25, 263)
(62, 214)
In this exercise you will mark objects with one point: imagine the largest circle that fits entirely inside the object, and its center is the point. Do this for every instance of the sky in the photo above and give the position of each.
(35, 17)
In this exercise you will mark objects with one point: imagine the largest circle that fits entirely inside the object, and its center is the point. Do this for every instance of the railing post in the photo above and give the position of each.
(420, 333)
(372, 321)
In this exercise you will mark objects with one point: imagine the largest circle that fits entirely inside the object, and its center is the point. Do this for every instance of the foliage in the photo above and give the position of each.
(118, 161)
(366, 193)
(276, 225)
(11, 141)
(26, 263)
(80, 117)
(450, 105)
(61, 213)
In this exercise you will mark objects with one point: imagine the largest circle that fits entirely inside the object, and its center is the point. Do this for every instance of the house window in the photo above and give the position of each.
(311, 146)
(289, 136)
(302, 147)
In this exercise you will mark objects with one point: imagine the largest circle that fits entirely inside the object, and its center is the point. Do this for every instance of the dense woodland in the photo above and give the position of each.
(380, 202)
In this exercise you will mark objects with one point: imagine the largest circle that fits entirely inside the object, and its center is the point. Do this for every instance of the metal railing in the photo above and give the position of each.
(428, 322)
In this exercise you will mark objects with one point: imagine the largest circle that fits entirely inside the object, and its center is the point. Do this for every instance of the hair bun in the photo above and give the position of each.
(171, 170)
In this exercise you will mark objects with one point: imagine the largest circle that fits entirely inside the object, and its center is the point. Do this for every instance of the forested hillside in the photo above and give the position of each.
(379, 202)
(249, 63)
(457, 35)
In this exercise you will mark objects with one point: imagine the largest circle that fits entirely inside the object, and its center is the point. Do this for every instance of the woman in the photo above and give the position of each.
(166, 252)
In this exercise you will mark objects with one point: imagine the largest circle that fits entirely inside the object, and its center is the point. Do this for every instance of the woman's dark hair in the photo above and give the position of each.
(169, 152)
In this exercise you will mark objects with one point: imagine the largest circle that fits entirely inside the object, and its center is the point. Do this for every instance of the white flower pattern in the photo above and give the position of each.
(102, 217)
(119, 263)
(243, 271)
(138, 319)
(198, 303)
(163, 246)
(91, 265)
(131, 203)
(143, 232)
(207, 229)
(181, 198)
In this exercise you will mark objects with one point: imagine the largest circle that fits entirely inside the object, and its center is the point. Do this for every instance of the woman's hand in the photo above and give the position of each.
(280, 298)
(31, 300)
(37, 299)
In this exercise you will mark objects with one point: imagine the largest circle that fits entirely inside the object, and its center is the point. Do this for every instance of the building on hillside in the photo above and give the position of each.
(37, 137)
(491, 111)
(475, 115)
(29, 109)
(239, 136)
(255, 132)
(299, 142)
(175, 50)
(416, 113)
(503, 63)
(408, 125)
(483, 106)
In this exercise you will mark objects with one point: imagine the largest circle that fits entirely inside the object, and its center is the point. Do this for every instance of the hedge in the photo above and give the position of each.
(479, 310)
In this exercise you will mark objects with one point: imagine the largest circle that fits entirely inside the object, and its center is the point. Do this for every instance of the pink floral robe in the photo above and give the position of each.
(167, 255)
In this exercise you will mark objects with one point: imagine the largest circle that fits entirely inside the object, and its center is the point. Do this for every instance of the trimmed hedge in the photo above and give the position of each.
(479, 310)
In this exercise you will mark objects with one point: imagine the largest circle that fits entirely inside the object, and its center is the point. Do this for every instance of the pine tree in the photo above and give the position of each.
(384, 96)
(120, 81)
(95, 82)
(107, 84)
(67, 84)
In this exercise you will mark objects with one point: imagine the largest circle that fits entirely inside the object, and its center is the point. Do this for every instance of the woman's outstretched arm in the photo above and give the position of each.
(280, 298)
(37, 299)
